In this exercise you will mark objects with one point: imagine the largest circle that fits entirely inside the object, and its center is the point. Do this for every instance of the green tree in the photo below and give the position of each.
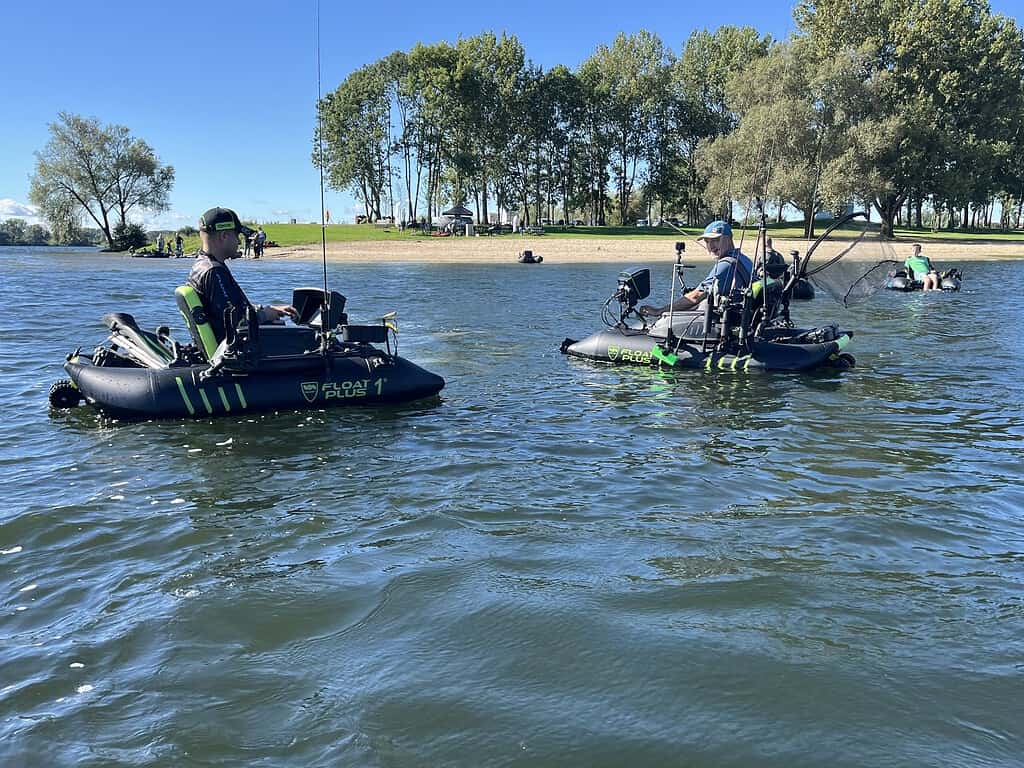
(630, 79)
(98, 170)
(36, 234)
(945, 86)
(355, 121)
(19, 232)
(698, 108)
(13, 232)
(489, 80)
(791, 131)
(129, 236)
(435, 124)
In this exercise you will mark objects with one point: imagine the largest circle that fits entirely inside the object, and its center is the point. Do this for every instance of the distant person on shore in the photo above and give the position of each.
(178, 243)
(258, 241)
(160, 243)
(732, 269)
(219, 229)
(247, 238)
(920, 268)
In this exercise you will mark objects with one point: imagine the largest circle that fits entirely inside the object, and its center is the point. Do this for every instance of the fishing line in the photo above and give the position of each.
(750, 187)
(326, 310)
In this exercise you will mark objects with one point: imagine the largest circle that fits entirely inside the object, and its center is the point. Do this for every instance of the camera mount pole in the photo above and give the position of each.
(677, 270)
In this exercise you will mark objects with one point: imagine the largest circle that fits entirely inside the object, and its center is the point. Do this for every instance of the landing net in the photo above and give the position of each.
(851, 262)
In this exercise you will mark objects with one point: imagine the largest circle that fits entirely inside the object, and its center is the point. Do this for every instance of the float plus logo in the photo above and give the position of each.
(310, 390)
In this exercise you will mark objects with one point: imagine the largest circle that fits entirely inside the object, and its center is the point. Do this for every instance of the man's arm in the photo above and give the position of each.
(273, 312)
(688, 300)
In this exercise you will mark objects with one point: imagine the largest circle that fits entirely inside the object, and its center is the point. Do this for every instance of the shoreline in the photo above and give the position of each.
(478, 250)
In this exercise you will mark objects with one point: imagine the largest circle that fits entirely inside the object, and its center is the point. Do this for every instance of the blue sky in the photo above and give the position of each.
(225, 92)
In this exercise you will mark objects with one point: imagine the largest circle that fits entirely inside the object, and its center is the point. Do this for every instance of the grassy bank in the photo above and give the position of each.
(309, 234)
(305, 234)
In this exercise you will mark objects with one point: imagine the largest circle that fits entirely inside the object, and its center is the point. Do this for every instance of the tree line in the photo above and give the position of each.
(19, 232)
(915, 108)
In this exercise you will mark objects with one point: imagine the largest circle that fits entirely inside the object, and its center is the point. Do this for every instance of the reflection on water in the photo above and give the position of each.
(557, 562)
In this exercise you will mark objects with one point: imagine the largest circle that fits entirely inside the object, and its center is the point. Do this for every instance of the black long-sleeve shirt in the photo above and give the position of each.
(218, 290)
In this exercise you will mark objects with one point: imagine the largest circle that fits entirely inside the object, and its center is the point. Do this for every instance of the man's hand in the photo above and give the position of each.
(649, 311)
(284, 309)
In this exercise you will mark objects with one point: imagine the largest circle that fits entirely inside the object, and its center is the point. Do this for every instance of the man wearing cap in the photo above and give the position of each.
(219, 229)
(731, 270)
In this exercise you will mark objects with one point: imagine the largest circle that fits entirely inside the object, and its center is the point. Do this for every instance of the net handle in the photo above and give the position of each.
(802, 272)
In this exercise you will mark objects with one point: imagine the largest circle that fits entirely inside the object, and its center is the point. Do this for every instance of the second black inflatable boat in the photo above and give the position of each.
(749, 331)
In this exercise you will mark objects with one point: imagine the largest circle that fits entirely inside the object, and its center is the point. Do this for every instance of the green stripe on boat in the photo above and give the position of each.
(668, 359)
(241, 397)
(224, 399)
(184, 396)
(206, 401)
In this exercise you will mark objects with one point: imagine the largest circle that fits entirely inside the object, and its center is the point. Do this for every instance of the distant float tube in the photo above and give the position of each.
(950, 281)
(528, 257)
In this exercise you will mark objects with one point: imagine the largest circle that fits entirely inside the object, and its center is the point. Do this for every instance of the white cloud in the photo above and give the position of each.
(12, 209)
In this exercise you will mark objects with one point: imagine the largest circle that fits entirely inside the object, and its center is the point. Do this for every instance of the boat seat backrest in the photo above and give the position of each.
(197, 320)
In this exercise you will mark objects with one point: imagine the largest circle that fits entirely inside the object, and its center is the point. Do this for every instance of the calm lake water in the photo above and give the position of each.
(556, 563)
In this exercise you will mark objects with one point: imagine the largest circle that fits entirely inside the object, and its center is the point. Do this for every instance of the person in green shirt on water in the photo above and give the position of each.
(920, 268)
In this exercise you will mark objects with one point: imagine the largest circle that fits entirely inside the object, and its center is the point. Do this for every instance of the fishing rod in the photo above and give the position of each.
(761, 243)
(325, 308)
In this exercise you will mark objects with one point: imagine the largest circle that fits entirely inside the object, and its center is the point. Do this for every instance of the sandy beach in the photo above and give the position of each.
(624, 250)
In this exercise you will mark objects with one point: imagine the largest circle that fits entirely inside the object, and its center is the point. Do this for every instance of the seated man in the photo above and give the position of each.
(731, 270)
(774, 262)
(219, 229)
(920, 268)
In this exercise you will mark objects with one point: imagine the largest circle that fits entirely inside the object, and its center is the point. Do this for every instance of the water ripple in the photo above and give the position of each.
(557, 563)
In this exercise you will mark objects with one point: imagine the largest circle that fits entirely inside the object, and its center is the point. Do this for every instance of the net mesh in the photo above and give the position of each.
(852, 263)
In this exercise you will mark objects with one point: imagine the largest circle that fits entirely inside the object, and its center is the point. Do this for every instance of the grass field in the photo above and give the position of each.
(309, 234)
(304, 234)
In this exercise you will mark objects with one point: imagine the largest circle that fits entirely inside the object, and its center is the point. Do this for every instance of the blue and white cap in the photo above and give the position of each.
(716, 229)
